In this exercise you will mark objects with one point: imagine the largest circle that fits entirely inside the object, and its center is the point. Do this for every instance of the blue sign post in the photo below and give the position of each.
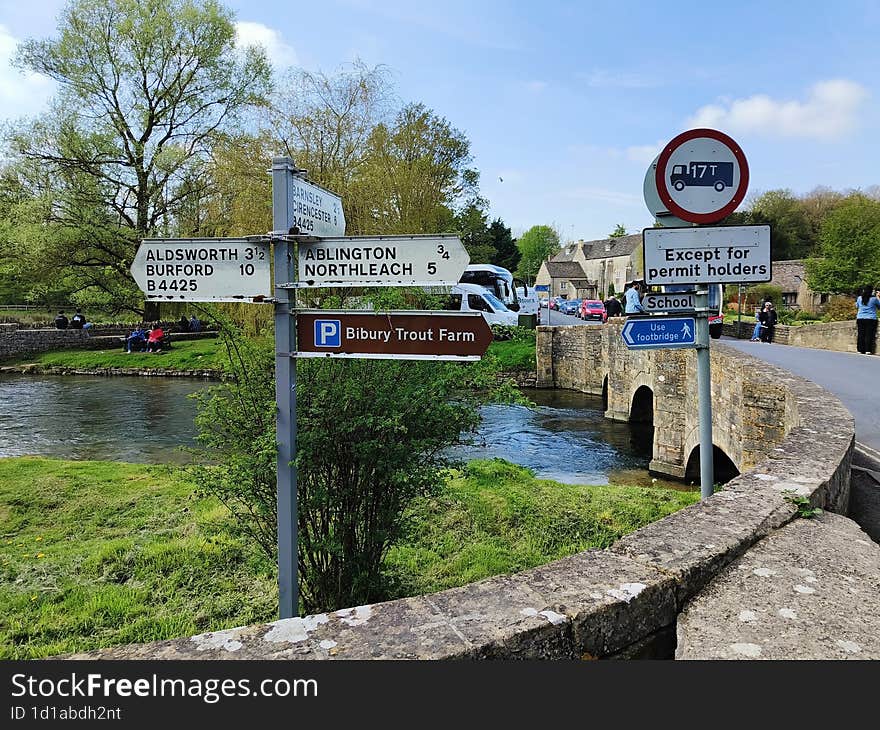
(660, 332)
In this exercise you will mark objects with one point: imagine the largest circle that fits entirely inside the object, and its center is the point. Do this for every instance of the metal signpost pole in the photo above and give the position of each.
(285, 393)
(704, 392)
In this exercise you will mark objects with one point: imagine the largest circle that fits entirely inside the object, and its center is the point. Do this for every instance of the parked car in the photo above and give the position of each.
(555, 302)
(593, 309)
(570, 306)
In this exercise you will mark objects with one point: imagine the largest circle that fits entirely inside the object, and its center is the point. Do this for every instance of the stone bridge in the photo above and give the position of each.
(752, 409)
(738, 575)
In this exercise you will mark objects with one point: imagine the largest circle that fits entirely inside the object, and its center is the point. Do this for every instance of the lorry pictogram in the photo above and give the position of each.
(718, 175)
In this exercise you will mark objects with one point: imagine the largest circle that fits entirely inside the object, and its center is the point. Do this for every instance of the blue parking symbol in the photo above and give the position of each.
(328, 333)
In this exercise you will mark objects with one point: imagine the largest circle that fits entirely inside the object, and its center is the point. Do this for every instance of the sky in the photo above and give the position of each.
(566, 104)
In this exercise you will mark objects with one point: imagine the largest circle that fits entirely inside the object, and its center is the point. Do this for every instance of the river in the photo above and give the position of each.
(565, 437)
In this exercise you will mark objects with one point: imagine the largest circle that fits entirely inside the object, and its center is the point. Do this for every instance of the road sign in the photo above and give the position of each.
(398, 335)
(432, 260)
(700, 255)
(659, 332)
(313, 210)
(669, 302)
(702, 176)
(202, 269)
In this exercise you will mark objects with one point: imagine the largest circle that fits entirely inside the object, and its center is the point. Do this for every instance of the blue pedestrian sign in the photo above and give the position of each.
(659, 332)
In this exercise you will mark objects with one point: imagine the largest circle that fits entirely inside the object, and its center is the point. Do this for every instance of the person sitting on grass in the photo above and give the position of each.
(136, 341)
(155, 339)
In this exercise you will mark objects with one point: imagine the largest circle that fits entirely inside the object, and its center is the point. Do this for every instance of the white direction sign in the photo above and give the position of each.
(314, 210)
(431, 260)
(202, 269)
(707, 255)
(702, 176)
(669, 302)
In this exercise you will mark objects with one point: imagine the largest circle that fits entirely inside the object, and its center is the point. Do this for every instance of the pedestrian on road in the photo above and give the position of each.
(612, 307)
(633, 299)
(768, 322)
(867, 306)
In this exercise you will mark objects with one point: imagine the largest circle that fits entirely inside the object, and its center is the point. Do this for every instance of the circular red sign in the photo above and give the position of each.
(704, 217)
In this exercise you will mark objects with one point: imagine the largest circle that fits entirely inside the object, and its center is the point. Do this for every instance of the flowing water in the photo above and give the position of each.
(565, 437)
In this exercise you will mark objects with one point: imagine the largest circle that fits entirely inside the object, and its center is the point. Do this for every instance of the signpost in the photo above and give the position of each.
(311, 209)
(202, 269)
(721, 255)
(670, 302)
(659, 332)
(432, 260)
(405, 335)
(699, 177)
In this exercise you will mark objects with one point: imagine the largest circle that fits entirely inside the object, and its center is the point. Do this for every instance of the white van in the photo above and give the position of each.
(474, 298)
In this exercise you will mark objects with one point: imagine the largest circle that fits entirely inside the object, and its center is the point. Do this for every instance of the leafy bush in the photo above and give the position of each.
(840, 309)
(505, 332)
(371, 437)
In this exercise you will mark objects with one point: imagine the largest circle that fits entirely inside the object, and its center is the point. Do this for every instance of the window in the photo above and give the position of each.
(478, 304)
(789, 298)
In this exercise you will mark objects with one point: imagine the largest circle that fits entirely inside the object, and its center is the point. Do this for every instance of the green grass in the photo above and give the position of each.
(204, 354)
(514, 355)
(96, 554)
(496, 517)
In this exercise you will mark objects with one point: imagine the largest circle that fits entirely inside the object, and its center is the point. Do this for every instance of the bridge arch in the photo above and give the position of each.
(642, 405)
(723, 467)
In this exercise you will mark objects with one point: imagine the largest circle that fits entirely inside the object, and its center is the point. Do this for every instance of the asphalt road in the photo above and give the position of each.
(852, 377)
(557, 318)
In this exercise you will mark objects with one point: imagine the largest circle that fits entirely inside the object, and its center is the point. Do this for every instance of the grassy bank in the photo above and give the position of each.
(204, 354)
(96, 554)
(517, 352)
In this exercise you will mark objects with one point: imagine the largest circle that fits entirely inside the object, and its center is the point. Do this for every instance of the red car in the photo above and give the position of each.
(593, 309)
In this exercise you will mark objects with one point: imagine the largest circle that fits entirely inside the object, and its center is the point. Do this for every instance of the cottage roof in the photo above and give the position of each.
(565, 270)
(788, 275)
(606, 248)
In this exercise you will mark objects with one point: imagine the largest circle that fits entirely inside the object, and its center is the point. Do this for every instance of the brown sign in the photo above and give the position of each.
(415, 335)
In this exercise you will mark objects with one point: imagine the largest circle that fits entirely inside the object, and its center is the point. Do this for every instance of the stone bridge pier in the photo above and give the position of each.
(751, 412)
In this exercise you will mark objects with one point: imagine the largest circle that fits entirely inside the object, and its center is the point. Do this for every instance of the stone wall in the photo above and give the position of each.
(837, 336)
(15, 342)
(621, 602)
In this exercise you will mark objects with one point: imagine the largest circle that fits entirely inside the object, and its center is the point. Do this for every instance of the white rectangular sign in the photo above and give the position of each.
(671, 302)
(430, 260)
(707, 255)
(314, 210)
(202, 269)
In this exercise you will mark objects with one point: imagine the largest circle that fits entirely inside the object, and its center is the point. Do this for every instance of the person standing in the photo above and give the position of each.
(867, 306)
(768, 322)
(633, 300)
(612, 307)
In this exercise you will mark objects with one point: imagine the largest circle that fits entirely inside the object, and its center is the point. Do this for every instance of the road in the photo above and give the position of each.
(852, 377)
(557, 318)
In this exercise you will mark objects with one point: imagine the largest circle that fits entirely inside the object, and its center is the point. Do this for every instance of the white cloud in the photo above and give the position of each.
(606, 196)
(644, 153)
(280, 53)
(536, 86)
(830, 112)
(22, 94)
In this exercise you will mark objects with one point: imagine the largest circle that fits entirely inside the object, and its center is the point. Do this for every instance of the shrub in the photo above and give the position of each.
(839, 309)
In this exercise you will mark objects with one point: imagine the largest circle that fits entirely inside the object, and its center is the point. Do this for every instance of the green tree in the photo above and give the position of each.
(619, 230)
(506, 253)
(536, 245)
(145, 85)
(474, 233)
(850, 247)
(791, 235)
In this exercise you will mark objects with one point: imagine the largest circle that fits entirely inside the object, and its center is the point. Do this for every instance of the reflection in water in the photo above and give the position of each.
(565, 437)
(81, 417)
